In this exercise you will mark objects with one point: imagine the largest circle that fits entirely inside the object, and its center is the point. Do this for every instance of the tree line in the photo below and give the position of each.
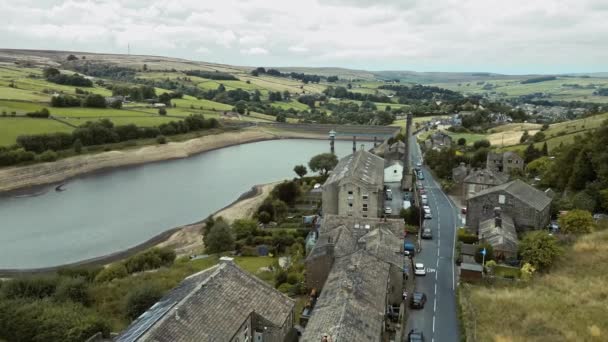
(417, 92)
(343, 93)
(305, 78)
(55, 76)
(212, 75)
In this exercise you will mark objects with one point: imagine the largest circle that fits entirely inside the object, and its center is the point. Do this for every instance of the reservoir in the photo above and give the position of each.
(111, 211)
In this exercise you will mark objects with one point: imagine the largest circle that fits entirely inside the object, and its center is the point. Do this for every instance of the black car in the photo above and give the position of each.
(417, 300)
(415, 336)
(427, 234)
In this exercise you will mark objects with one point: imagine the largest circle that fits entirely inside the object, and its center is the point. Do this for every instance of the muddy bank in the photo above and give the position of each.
(184, 239)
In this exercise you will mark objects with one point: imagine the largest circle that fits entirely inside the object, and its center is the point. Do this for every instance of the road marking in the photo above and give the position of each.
(435, 292)
(437, 252)
(437, 263)
(433, 324)
(436, 276)
(435, 305)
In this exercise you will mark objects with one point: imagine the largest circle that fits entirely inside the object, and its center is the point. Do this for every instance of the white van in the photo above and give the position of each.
(407, 204)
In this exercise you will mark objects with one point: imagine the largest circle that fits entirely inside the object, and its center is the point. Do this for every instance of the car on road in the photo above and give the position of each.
(427, 234)
(419, 269)
(415, 335)
(407, 204)
(463, 210)
(420, 175)
(422, 191)
(417, 300)
(388, 210)
(419, 164)
(428, 215)
(407, 196)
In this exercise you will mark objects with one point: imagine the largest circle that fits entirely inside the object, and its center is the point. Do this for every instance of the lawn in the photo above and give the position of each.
(8, 93)
(471, 138)
(291, 104)
(568, 304)
(11, 128)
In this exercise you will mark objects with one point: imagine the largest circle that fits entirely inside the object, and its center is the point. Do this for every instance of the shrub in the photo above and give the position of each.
(481, 143)
(539, 249)
(285, 288)
(77, 146)
(74, 289)
(141, 299)
(47, 156)
(161, 139)
(294, 278)
(150, 259)
(30, 287)
(162, 111)
(264, 217)
(87, 272)
(280, 278)
(465, 237)
(576, 222)
(114, 271)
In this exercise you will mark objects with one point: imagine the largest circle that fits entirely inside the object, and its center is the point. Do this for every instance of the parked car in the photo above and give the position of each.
(415, 335)
(428, 215)
(389, 194)
(463, 210)
(417, 300)
(409, 249)
(419, 269)
(407, 196)
(388, 210)
(422, 191)
(420, 175)
(427, 234)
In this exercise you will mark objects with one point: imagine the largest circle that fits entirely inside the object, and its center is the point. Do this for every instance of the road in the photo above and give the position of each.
(438, 320)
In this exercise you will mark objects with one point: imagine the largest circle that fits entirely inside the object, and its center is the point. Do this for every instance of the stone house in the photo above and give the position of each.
(222, 303)
(438, 140)
(501, 234)
(396, 151)
(459, 173)
(393, 172)
(528, 207)
(504, 162)
(355, 187)
(479, 180)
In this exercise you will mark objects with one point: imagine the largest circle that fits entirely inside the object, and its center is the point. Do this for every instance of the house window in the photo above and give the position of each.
(364, 209)
(364, 215)
(364, 205)
(502, 199)
(365, 197)
(350, 205)
(350, 192)
(510, 161)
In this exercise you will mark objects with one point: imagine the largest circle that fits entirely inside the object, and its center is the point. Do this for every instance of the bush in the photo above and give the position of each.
(94, 101)
(150, 259)
(161, 139)
(264, 217)
(465, 237)
(162, 111)
(576, 222)
(30, 287)
(481, 143)
(114, 271)
(285, 288)
(489, 253)
(47, 156)
(87, 272)
(280, 278)
(294, 278)
(78, 146)
(74, 289)
(539, 249)
(141, 299)
(43, 113)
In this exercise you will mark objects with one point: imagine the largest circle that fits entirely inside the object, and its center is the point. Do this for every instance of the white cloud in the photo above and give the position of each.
(254, 51)
(492, 35)
(298, 49)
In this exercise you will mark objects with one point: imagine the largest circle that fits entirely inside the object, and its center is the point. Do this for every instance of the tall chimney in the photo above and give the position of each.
(406, 141)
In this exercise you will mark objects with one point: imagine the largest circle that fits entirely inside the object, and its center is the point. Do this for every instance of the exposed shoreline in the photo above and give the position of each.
(169, 238)
(29, 179)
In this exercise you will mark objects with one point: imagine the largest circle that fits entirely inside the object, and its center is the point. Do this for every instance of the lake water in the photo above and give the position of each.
(108, 212)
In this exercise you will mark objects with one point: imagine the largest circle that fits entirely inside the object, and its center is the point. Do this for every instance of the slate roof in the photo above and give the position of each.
(352, 304)
(383, 244)
(210, 306)
(486, 177)
(361, 166)
(504, 237)
(522, 191)
(343, 239)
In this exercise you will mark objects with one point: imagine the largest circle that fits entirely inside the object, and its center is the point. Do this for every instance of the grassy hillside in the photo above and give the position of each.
(568, 304)
(561, 89)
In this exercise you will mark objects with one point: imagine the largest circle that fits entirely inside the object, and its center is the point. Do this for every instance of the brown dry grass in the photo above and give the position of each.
(568, 304)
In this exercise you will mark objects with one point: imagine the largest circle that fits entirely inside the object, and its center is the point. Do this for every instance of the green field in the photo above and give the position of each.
(557, 89)
(11, 128)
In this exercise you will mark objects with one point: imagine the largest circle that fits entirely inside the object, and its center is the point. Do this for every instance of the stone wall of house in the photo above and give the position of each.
(525, 217)
(395, 285)
(330, 199)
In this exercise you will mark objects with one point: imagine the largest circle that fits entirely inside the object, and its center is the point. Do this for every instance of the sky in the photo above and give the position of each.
(512, 37)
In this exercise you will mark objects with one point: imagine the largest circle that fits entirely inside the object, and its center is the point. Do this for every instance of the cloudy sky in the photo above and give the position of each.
(515, 36)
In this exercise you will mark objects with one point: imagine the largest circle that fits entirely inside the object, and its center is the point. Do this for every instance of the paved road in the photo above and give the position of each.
(438, 319)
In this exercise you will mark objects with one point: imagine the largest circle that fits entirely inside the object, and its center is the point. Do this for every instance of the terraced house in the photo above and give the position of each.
(355, 187)
(223, 303)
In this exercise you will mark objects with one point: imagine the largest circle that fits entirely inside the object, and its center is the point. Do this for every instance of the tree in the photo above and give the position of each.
(288, 192)
(539, 249)
(576, 222)
(78, 146)
(539, 136)
(323, 163)
(300, 170)
(140, 299)
(221, 88)
(583, 201)
(240, 107)
(162, 111)
(244, 228)
(531, 153)
(524, 137)
(72, 58)
(280, 209)
(145, 67)
(462, 142)
(50, 72)
(604, 198)
(410, 215)
(74, 289)
(281, 118)
(545, 150)
(116, 104)
(220, 238)
(264, 217)
(94, 101)
(481, 143)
